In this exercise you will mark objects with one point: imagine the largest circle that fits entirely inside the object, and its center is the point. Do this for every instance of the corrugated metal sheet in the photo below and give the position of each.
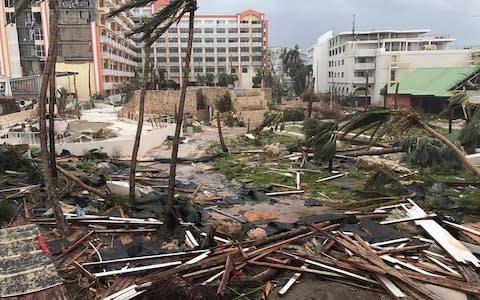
(24, 267)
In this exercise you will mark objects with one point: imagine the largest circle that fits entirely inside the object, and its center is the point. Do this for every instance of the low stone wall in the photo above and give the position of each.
(17, 117)
(161, 102)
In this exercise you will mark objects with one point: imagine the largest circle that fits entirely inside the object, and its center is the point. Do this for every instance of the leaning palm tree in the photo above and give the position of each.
(383, 121)
(48, 161)
(321, 136)
(150, 30)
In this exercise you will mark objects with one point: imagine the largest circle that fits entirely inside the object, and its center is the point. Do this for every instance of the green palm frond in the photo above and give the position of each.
(428, 152)
(156, 25)
(469, 135)
(321, 136)
(457, 100)
(379, 122)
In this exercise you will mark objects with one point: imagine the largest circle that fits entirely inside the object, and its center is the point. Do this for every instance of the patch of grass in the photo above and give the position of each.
(113, 200)
(296, 129)
(88, 166)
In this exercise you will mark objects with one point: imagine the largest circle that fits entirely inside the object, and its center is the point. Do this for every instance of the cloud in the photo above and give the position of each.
(303, 21)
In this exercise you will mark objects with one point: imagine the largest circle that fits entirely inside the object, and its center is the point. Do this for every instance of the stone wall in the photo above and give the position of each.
(248, 104)
(17, 117)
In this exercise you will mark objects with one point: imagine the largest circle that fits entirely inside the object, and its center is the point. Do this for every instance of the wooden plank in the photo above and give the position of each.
(226, 276)
(390, 287)
(291, 281)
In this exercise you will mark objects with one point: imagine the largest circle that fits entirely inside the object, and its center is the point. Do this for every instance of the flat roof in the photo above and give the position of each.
(420, 31)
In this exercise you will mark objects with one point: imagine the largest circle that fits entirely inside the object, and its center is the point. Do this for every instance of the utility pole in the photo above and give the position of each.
(353, 27)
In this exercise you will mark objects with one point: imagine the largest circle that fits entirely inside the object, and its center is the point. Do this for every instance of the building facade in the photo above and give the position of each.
(231, 44)
(97, 49)
(361, 64)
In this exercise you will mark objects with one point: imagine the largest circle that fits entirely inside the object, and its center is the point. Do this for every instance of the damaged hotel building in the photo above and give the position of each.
(96, 48)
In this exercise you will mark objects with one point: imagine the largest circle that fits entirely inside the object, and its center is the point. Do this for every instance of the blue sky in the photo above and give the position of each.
(303, 21)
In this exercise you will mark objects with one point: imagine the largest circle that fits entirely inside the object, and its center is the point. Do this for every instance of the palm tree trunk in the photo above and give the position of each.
(452, 147)
(220, 134)
(77, 104)
(46, 168)
(170, 219)
(51, 107)
(141, 112)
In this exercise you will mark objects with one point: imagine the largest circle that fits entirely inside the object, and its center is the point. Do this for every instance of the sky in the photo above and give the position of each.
(303, 21)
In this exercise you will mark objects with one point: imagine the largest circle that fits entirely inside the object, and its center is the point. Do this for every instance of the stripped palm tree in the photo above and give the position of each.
(383, 121)
(48, 160)
(149, 31)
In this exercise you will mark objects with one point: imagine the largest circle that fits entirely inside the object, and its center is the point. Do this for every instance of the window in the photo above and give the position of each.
(197, 30)
(183, 30)
(183, 40)
(174, 70)
(221, 70)
(209, 50)
(172, 40)
(162, 59)
(244, 70)
(209, 59)
(208, 30)
(233, 70)
(343, 62)
(244, 30)
(232, 30)
(233, 40)
(173, 59)
(221, 59)
(209, 40)
(9, 3)
(220, 30)
(210, 70)
(197, 40)
(392, 75)
(245, 49)
(221, 50)
(245, 59)
(172, 30)
(40, 51)
(197, 50)
(10, 17)
(221, 40)
(233, 49)
(198, 59)
(342, 74)
(198, 70)
(244, 40)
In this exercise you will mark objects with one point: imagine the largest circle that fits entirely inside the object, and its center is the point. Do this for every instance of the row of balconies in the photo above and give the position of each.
(111, 72)
(115, 44)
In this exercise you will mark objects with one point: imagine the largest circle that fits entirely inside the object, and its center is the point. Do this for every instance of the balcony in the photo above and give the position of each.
(363, 80)
(364, 66)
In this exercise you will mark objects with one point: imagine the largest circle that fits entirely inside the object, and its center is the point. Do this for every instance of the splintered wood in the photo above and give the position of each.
(353, 249)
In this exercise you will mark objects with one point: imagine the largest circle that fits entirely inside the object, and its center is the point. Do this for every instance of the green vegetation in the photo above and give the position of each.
(293, 115)
(294, 129)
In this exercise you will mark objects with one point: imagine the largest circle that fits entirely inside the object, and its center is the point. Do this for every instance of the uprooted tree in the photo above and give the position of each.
(382, 121)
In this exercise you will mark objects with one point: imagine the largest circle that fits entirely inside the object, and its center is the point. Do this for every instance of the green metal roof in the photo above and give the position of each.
(433, 81)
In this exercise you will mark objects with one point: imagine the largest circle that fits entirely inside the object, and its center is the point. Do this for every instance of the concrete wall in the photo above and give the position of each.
(122, 146)
(17, 117)
(320, 62)
(248, 104)
(82, 78)
(402, 101)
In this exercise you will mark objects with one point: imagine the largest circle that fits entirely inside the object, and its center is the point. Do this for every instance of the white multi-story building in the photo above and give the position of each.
(232, 44)
(343, 62)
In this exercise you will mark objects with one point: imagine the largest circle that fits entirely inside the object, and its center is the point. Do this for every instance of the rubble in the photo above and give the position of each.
(280, 222)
